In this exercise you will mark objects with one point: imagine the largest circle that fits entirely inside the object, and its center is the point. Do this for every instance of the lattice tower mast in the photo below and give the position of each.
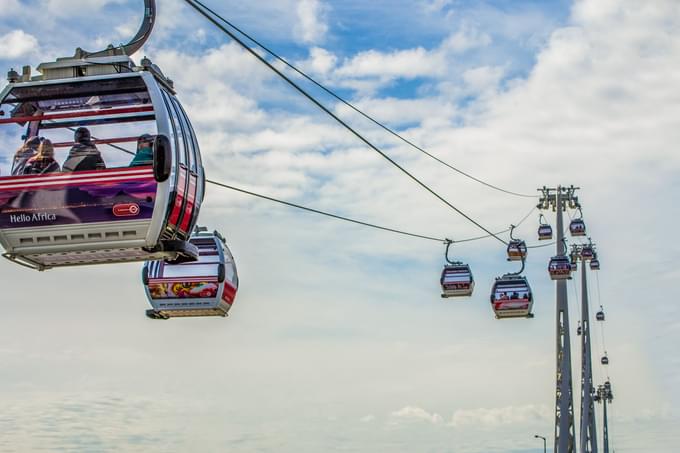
(558, 199)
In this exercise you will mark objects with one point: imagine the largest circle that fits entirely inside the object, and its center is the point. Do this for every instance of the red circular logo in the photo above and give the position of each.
(126, 210)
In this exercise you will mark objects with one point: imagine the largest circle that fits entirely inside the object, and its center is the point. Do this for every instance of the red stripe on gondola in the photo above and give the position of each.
(146, 169)
(79, 182)
(179, 199)
(80, 114)
(34, 183)
(184, 280)
(191, 197)
(99, 141)
(229, 293)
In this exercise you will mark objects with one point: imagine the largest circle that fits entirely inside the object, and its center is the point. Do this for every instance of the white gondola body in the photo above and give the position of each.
(206, 287)
(457, 280)
(511, 297)
(545, 232)
(595, 264)
(517, 250)
(112, 215)
(560, 268)
(577, 227)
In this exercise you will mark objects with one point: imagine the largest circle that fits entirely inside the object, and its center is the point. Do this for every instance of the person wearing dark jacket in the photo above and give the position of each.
(84, 155)
(23, 154)
(43, 162)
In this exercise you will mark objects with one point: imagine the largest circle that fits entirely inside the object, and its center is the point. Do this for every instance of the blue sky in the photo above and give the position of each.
(339, 339)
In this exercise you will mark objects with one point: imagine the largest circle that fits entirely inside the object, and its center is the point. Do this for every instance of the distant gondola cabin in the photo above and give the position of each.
(206, 287)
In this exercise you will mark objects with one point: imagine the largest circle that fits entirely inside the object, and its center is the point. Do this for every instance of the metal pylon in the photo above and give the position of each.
(564, 398)
(588, 428)
(604, 395)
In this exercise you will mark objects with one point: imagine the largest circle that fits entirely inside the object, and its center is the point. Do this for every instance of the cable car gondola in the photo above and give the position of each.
(206, 287)
(587, 252)
(545, 231)
(605, 359)
(595, 264)
(456, 279)
(560, 268)
(577, 227)
(511, 296)
(579, 329)
(517, 248)
(101, 205)
(600, 314)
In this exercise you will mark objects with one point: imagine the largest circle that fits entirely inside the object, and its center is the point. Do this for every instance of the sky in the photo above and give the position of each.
(339, 340)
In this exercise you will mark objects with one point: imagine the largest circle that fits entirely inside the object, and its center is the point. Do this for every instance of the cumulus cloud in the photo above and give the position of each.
(467, 38)
(311, 27)
(17, 43)
(501, 416)
(70, 8)
(415, 413)
(409, 63)
(442, 62)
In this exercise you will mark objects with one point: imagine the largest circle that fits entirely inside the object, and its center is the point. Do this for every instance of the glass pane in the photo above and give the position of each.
(179, 135)
(114, 112)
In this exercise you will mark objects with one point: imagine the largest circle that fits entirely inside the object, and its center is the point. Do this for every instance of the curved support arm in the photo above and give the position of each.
(566, 247)
(542, 220)
(142, 35)
(520, 270)
(449, 242)
(512, 229)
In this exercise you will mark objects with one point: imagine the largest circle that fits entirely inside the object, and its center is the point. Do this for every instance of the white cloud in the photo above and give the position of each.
(311, 27)
(10, 7)
(18, 43)
(70, 8)
(417, 413)
(409, 63)
(320, 61)
(501, 416)
(467, 38)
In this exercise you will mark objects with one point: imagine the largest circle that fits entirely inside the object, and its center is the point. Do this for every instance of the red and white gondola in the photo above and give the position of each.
(206, 287)
(587, 252)
(560, 268)
(577, 227)
(517, 250)
(129, 211)
(545, 231)
(456, 279)
(511, 297)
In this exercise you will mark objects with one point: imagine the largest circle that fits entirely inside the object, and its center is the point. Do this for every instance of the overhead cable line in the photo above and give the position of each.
(195, 4)
(328, 214)
(347, 219)
(356, 109)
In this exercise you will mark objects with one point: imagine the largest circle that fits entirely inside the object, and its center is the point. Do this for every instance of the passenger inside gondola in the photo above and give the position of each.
(27, 151)
(43, 161)
(144, 155)
(84, 155)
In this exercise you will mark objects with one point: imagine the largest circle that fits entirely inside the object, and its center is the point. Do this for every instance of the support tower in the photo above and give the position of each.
(604, 395)
(558, 199)
(588, 430)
